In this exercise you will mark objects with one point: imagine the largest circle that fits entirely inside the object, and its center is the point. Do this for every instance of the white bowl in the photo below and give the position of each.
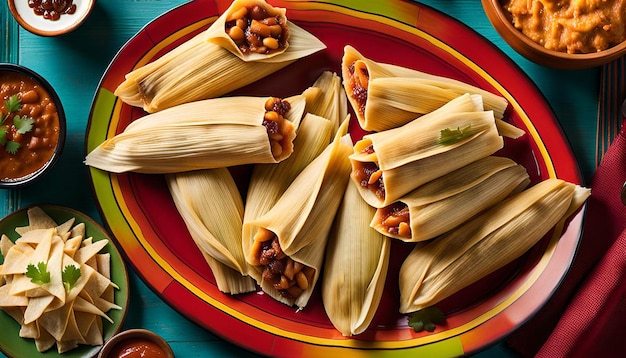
(38, 25)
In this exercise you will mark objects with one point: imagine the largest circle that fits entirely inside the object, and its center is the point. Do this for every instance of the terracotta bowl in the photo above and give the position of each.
(15, 178)
(46, 23)
(539, 54)
(140, 341)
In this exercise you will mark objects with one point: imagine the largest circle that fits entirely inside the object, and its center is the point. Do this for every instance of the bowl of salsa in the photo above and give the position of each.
(32, 126)
(136, 343)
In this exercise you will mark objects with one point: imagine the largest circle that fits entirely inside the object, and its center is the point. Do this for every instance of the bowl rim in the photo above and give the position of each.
(136, 333)
(49, 33)
(58, 150)
(500, 16)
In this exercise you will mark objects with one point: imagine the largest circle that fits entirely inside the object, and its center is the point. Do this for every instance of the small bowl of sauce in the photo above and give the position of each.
(50, 17)
(136, 343)
(32, 126)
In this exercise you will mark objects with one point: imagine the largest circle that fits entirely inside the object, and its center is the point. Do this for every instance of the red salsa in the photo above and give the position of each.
(29, 131)
(137, 348)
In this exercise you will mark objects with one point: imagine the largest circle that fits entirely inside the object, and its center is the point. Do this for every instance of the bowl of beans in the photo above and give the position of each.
(50, 17)
(32, 126)
(561, 34)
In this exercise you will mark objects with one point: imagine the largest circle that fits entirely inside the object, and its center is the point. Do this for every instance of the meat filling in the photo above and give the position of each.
(395, 219)
(358, 82)
(370, 176)
(287, 276)
(255, 30)
(274, 122)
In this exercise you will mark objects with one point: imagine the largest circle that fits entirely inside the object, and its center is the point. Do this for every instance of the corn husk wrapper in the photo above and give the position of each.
(411, 155)
(303, 216)
(332, 103)
(355, 268)
(437, 270)
(446, 202)
(213, 133)
(396, 95)
(212, 209)
(207, 66)
(268, 182)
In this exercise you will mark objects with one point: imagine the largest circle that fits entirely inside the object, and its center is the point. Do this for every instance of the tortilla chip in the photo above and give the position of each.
(36, 308)
(72, 245)
(37, 219)
(5, 244)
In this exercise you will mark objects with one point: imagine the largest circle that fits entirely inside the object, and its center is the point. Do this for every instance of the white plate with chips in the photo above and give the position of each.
(86, 253)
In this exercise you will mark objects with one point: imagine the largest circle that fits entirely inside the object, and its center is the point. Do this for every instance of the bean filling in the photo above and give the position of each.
(52, 9)
(358, 82)
(370, 176)
(274, 122)
(255, 30)
(395, 219)
(287, 276)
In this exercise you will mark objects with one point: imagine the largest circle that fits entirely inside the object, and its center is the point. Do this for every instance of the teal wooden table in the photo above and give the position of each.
(74, 64)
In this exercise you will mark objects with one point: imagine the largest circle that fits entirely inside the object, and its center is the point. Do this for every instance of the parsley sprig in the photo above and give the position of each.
(38, 274)
(426, 319)
(22, 124)
(451, 136)
(70, 276)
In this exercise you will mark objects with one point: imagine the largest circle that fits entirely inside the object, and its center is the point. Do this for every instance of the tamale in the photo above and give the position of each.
(386, 96)
(449, 263)
(446, 202)
(209, 203)
(290, 239)
(269, 181)
(213, 133)
(355, 268)
(387, 165)
(211, 64)
(333, 103)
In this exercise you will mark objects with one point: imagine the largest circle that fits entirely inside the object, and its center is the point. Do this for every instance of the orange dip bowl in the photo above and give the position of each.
(535, 52)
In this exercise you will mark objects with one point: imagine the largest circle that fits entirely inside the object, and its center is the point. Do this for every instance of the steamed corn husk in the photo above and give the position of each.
(355, 268)
(446, 202)
(208, 66)
(301, 219)
(396, 95)
(442, 267)
(211, 207)
(332, 103)
(269, 181)
(213, 133)
(411, 155)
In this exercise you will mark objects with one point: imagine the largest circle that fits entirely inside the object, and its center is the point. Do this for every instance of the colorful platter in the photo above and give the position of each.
(139, 211)
(10, 342)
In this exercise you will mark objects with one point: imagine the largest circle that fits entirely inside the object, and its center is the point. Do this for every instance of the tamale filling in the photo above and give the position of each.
(357, 84)
(290, 278)
(369, 175)
(255, 30)
(274, 123)
(395, 219)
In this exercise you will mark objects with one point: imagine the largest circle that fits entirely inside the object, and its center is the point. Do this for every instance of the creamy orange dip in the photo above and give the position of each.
(572, 26)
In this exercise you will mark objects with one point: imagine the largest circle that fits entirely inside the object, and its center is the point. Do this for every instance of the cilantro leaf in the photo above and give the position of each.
(70, 275)
(3, 135)
(12, 147)
(451, 136)
(23, 124)
(13, 104)
(426, 319)
(38, 274)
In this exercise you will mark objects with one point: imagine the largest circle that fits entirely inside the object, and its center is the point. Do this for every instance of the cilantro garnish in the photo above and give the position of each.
(13, 104)
(451, 136)
(70, 275)
(12, 147)
(38, 274)
(22, 124)
(426, 319)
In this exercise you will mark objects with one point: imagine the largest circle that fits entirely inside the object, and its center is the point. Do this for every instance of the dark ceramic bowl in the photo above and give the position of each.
(139, 341)
(15, 178)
